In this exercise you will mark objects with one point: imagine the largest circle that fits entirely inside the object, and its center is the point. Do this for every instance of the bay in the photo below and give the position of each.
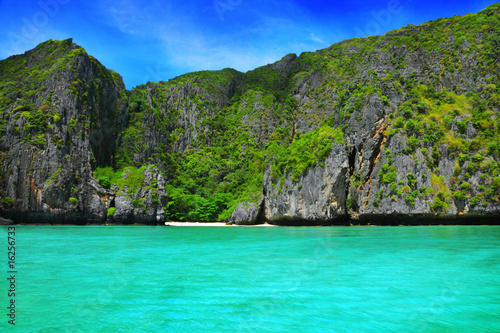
(248, 279)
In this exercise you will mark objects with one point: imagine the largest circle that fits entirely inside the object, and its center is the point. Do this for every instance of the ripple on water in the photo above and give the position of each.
(407, 279)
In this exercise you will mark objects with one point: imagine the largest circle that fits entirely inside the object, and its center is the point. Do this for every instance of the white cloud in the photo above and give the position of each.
(201, 58)
(192, 44)
(316, 38)
(139, 18)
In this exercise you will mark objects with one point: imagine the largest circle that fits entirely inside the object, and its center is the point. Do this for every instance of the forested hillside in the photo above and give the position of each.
(399, 128)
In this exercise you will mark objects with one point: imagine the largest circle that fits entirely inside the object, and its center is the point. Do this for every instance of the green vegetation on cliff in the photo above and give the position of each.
(416, 109)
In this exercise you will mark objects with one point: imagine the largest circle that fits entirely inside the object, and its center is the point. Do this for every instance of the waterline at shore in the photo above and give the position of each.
(210, 224)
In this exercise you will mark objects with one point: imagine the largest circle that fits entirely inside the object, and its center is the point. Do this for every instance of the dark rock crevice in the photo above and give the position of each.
(261, 215)
(374, 157)
(352, 203)
(379, 139)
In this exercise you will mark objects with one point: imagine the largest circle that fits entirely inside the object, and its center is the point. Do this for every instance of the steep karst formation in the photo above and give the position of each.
(399, 128)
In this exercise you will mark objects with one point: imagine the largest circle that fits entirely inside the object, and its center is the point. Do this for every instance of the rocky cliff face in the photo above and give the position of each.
(318, 197)
(372, 130)
(143, 204)
(168, 117)
(62, 112)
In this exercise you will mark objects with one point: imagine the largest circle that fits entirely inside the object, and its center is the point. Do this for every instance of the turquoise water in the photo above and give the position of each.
(199, 279)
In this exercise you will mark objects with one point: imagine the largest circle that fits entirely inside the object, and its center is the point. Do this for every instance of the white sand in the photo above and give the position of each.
(210, 224)
(197, 224)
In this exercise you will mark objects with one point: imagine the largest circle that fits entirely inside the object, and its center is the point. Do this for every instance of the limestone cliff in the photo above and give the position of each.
(61, 114)
(399, 128)
(317, 197)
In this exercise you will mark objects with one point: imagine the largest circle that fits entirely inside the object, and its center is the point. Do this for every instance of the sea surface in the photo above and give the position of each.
(250, 279)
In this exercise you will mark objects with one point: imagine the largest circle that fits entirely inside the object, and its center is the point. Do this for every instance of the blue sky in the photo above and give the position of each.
(157, 40)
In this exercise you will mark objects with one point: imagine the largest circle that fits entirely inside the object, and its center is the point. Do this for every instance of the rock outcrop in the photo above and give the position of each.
(318, 197)
(248, 213)
(139, 205)
(58, 128)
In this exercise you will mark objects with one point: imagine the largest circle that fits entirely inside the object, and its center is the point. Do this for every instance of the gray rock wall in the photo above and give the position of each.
(358, 86)
(317, 198)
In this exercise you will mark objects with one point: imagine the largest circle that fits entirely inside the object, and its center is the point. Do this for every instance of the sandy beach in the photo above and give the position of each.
(211, 224)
